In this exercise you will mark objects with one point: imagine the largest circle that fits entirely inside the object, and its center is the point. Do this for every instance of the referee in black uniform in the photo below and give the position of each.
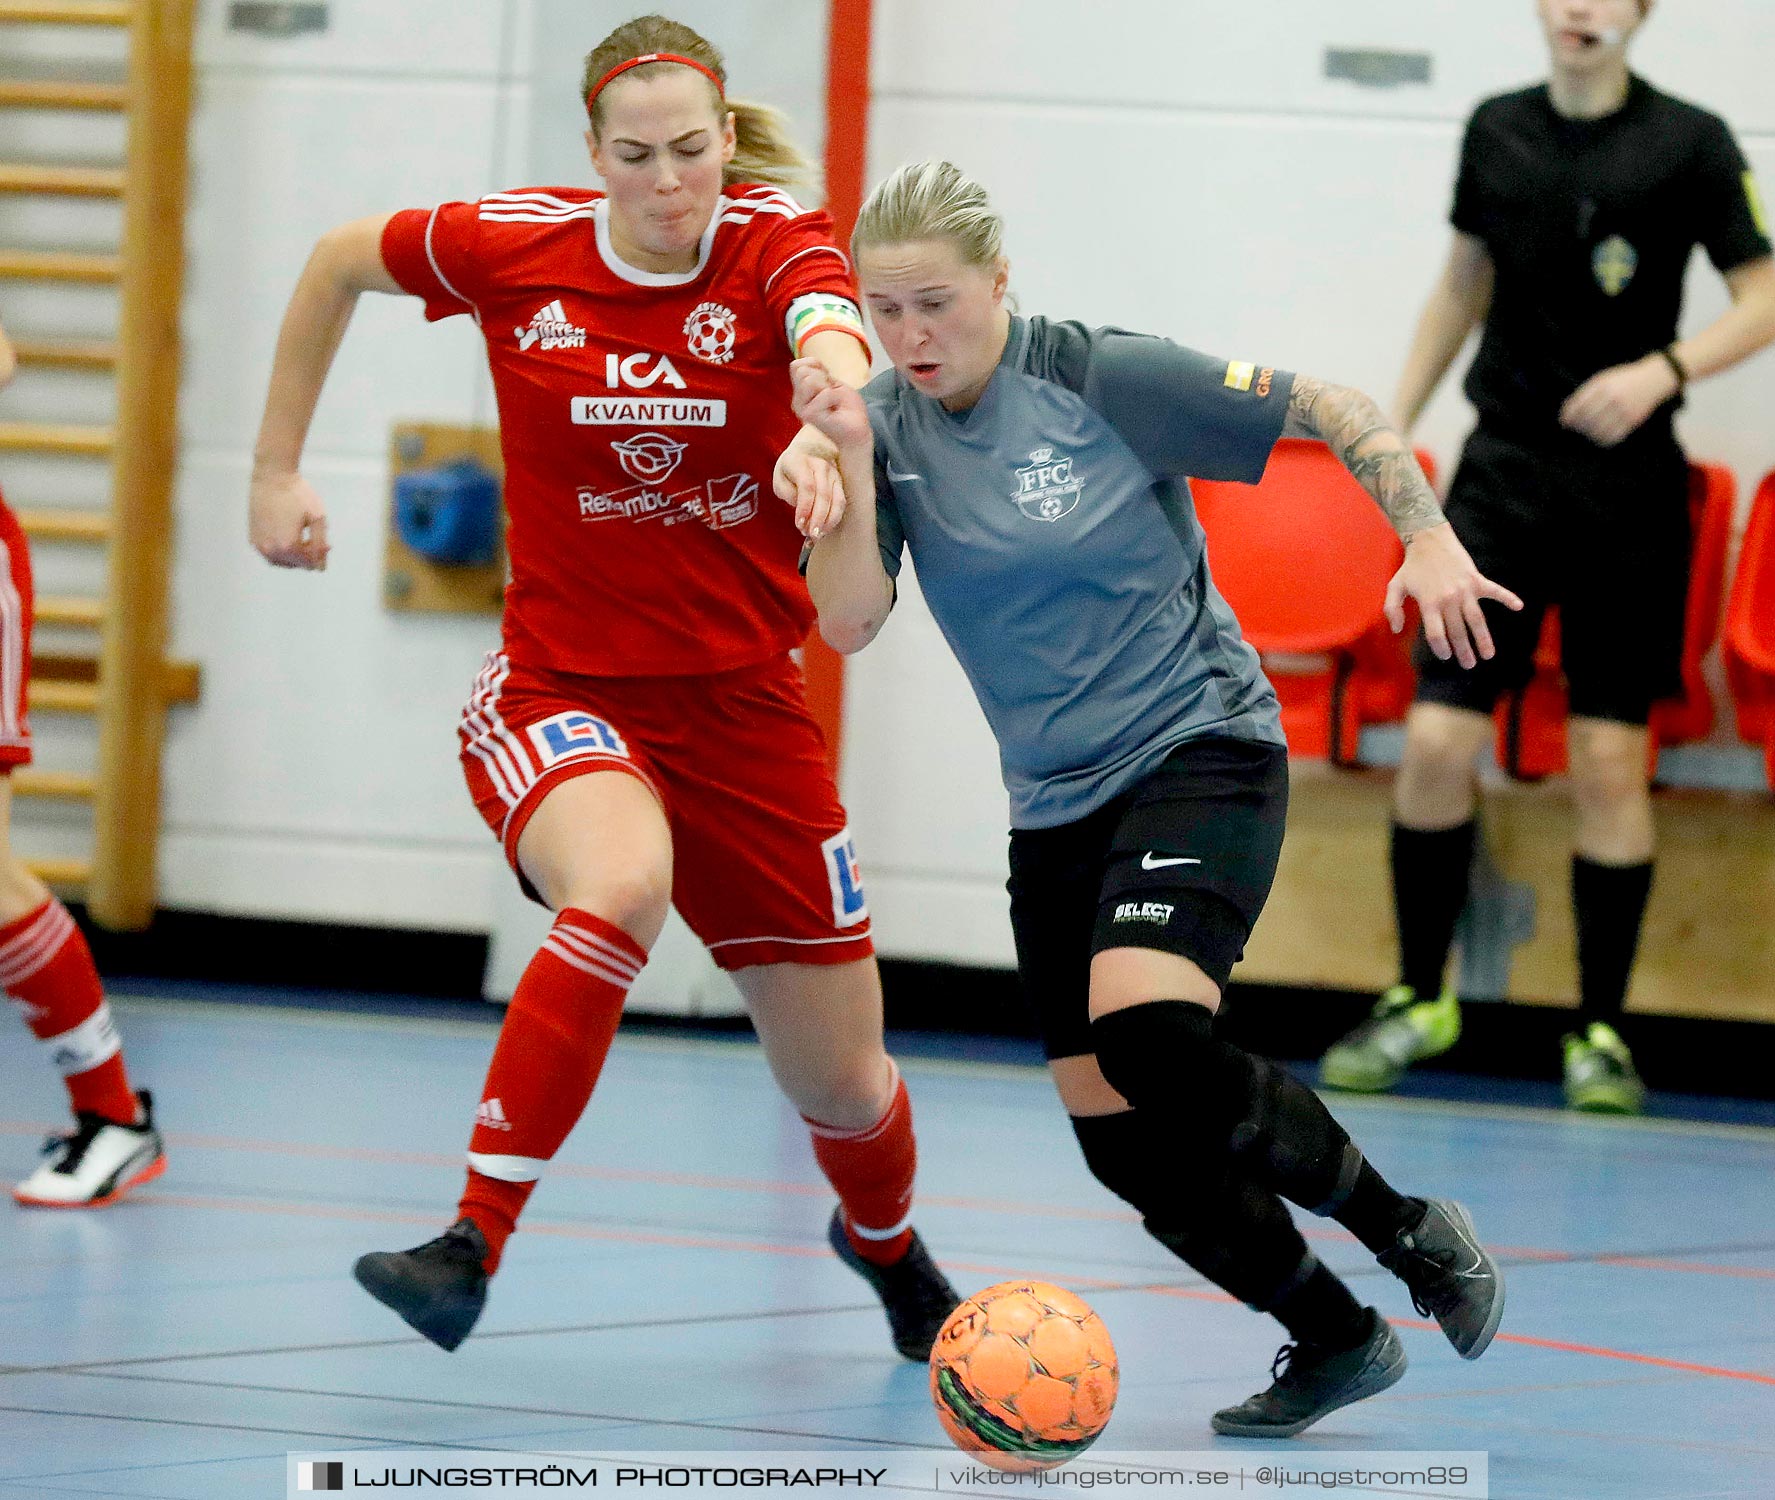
(1577, 207)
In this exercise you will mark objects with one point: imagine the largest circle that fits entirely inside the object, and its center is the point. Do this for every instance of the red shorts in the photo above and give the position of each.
(15, 642)
(763, 870)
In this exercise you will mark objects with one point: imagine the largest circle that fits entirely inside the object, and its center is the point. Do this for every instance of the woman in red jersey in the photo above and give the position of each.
(641, 737)
(46, 968)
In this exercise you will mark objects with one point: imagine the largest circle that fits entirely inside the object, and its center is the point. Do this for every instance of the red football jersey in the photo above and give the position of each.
(640, 415)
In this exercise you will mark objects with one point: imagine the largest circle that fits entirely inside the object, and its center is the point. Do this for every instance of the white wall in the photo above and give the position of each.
(1174, 165)
(1183, 167)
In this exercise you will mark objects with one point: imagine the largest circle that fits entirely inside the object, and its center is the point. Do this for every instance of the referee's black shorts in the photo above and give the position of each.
(1602, 533)
(1182, 863)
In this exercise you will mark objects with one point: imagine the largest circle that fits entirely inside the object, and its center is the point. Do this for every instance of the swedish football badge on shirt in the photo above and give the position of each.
(1614, 261)
(1046, 489)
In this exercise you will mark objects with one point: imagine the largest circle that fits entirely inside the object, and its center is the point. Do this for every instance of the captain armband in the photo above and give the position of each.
(820, 312)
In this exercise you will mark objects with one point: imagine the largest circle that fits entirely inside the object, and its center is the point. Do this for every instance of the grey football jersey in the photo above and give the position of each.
(1054, 539)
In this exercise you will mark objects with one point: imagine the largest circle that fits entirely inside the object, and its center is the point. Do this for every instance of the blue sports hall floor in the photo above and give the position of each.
(672, 1289)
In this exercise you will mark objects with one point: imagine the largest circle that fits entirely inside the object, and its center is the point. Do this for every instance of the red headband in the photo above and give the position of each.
(653, 57)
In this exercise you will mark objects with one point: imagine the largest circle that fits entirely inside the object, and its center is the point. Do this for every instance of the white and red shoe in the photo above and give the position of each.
(97, 1163)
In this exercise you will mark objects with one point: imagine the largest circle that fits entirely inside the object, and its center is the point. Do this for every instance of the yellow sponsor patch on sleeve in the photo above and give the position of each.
(1239, 375)
(1754, 197)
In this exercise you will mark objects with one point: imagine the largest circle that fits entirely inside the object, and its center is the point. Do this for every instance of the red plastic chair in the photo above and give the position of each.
(1531, 740)
(1750, 629)
(1531, 723)
(1713, 496)
(1304, 559)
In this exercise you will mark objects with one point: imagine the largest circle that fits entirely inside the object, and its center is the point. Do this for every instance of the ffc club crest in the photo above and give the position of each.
(1046, 489)
(1614, 261)
(711, 331)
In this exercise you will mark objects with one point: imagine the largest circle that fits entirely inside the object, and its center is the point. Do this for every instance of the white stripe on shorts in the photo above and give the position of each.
(507, 762)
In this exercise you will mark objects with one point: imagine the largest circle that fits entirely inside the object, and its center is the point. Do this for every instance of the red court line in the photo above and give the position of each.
(1755, 1377)
(571, 1170)
(541, 1227)
(1596, 1351)
(378, 1156)
(809, 1252)
(1694, 1268)
(590, 1232)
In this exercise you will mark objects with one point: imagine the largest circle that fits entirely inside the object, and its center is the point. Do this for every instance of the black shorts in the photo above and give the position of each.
(1182, 862)
(1603, 534)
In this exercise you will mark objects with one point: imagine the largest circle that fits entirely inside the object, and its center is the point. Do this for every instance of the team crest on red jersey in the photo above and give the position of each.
(711, 331)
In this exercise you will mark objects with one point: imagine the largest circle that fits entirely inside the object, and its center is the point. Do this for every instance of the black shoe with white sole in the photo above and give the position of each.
(1312, 1382)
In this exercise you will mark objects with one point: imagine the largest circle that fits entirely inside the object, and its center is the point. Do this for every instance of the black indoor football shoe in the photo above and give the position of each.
(1311, 1382)
(1451, 1277)
(439, 1287)
(915, 1295)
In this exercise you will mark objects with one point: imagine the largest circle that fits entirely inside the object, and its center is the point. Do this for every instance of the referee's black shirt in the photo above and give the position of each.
(1590, 224)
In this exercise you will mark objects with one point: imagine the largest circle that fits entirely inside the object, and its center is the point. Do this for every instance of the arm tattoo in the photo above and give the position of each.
(1352, 425)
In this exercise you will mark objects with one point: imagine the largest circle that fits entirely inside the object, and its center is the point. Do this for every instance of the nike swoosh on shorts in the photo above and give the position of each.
(1147, 862)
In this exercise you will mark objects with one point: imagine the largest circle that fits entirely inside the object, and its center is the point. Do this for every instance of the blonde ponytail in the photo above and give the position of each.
(765, 151)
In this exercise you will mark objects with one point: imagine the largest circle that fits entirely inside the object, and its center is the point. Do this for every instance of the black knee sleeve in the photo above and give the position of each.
(1224, 1227)
(1152, 1054)
(1289, 1140)
(1219, 1100)
(1122, 1155)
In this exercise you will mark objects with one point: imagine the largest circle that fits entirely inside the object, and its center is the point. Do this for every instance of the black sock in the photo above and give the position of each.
(1244, 1240)
(1609, 904)
(1375, 1213)
(1320, 1310)
(1430, 877)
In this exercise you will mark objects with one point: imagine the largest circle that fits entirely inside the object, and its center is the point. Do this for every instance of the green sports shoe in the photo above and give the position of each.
(1401, 1030)
(1599, 1073)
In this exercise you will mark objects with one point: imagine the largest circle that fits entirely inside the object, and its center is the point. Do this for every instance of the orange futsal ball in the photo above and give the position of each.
(1023, 1376)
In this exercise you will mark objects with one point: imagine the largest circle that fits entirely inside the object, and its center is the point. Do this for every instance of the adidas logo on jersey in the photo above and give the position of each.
(551, 329)
(491, 1115)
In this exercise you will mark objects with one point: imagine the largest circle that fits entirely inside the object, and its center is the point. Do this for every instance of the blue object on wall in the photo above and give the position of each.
(449, 513)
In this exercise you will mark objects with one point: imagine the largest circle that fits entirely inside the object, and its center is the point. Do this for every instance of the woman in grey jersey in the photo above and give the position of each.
(1036, 471)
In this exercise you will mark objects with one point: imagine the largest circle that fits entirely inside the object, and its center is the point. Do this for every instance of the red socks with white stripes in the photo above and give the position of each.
(47, 970)
(871, 1169)
(556, 1035)
(552, 1046)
